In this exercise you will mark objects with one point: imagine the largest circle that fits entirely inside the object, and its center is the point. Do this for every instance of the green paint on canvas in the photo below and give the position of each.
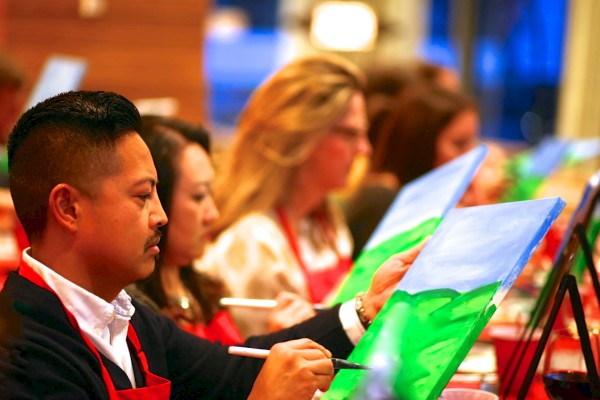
(418, 341)
(522, 185)
(359, 278)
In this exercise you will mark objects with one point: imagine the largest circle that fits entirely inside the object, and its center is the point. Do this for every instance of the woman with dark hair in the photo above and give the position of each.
(425, 127)
(428, 126)
(387, 81)
(185, 176)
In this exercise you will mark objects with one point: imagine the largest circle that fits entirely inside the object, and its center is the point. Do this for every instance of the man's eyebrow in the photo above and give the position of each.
(153, 182)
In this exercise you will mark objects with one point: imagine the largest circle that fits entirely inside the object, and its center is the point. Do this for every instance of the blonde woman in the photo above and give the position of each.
(296, 141)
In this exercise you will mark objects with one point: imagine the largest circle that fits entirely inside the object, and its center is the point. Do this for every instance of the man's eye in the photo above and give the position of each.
(145, 197)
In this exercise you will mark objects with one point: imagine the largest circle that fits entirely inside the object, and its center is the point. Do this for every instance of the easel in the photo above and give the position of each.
(561, 277)
(568, 283)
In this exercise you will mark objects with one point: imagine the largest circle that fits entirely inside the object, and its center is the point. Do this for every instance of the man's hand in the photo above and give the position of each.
(386, 279)
(293, 370)
(291, 309)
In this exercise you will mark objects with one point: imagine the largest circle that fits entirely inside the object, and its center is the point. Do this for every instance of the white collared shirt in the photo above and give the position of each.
(104, 324)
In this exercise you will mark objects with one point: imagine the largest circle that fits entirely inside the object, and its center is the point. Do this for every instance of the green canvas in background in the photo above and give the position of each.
(414, 215)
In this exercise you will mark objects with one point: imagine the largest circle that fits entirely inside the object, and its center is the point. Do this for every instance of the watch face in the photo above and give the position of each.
(360, 310)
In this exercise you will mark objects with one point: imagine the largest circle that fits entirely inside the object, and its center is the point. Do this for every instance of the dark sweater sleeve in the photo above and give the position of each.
(200, 369)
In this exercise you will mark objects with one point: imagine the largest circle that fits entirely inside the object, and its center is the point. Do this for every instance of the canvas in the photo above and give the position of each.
(440, 307)
(529, 170)
(59, 74)
(414, 215)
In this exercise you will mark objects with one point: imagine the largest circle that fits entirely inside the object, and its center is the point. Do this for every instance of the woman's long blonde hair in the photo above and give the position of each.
(277, 131)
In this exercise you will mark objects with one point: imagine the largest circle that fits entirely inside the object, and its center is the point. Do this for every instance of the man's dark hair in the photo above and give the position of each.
(69, 138)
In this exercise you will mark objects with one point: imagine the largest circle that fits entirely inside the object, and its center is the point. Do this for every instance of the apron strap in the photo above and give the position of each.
(28, 273)
(156, 386)
(293, 242)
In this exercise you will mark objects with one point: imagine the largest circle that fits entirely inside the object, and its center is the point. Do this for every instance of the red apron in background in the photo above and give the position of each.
(220, 329)
(319, 283)
(14, 241)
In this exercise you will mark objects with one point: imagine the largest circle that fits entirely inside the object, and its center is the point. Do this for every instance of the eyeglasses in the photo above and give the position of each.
(352, 134)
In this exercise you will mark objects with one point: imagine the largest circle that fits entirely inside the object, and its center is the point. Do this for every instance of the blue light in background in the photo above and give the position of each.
(439, 51)
(234, 67)
(517, 62)
(489, 66)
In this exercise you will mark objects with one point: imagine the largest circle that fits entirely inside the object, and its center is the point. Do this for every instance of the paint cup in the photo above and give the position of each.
(565, 371)
(506, 340)
(467, 394)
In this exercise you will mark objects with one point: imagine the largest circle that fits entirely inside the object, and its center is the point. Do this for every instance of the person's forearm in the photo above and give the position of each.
(325, 328)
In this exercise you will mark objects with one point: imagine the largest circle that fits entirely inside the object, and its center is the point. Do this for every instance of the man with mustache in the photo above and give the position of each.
(84, 187)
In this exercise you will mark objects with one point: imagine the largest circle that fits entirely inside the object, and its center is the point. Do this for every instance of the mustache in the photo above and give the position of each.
(154, 239)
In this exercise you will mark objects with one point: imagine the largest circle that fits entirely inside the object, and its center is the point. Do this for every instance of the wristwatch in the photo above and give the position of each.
(360, 310)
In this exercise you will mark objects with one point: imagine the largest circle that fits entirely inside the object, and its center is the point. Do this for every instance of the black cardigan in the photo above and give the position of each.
(42, 356)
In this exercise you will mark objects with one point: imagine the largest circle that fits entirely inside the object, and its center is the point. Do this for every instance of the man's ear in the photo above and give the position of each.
(63, 206)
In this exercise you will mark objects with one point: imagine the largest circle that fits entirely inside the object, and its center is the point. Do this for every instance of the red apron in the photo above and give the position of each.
(221, 328)
(156, 387)
(319, 283)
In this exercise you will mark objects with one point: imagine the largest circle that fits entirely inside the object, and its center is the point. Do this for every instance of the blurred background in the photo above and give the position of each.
(531, 64)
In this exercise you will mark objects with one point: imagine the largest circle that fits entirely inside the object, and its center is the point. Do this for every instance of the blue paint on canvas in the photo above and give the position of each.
(430, 196)
(475, 246)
